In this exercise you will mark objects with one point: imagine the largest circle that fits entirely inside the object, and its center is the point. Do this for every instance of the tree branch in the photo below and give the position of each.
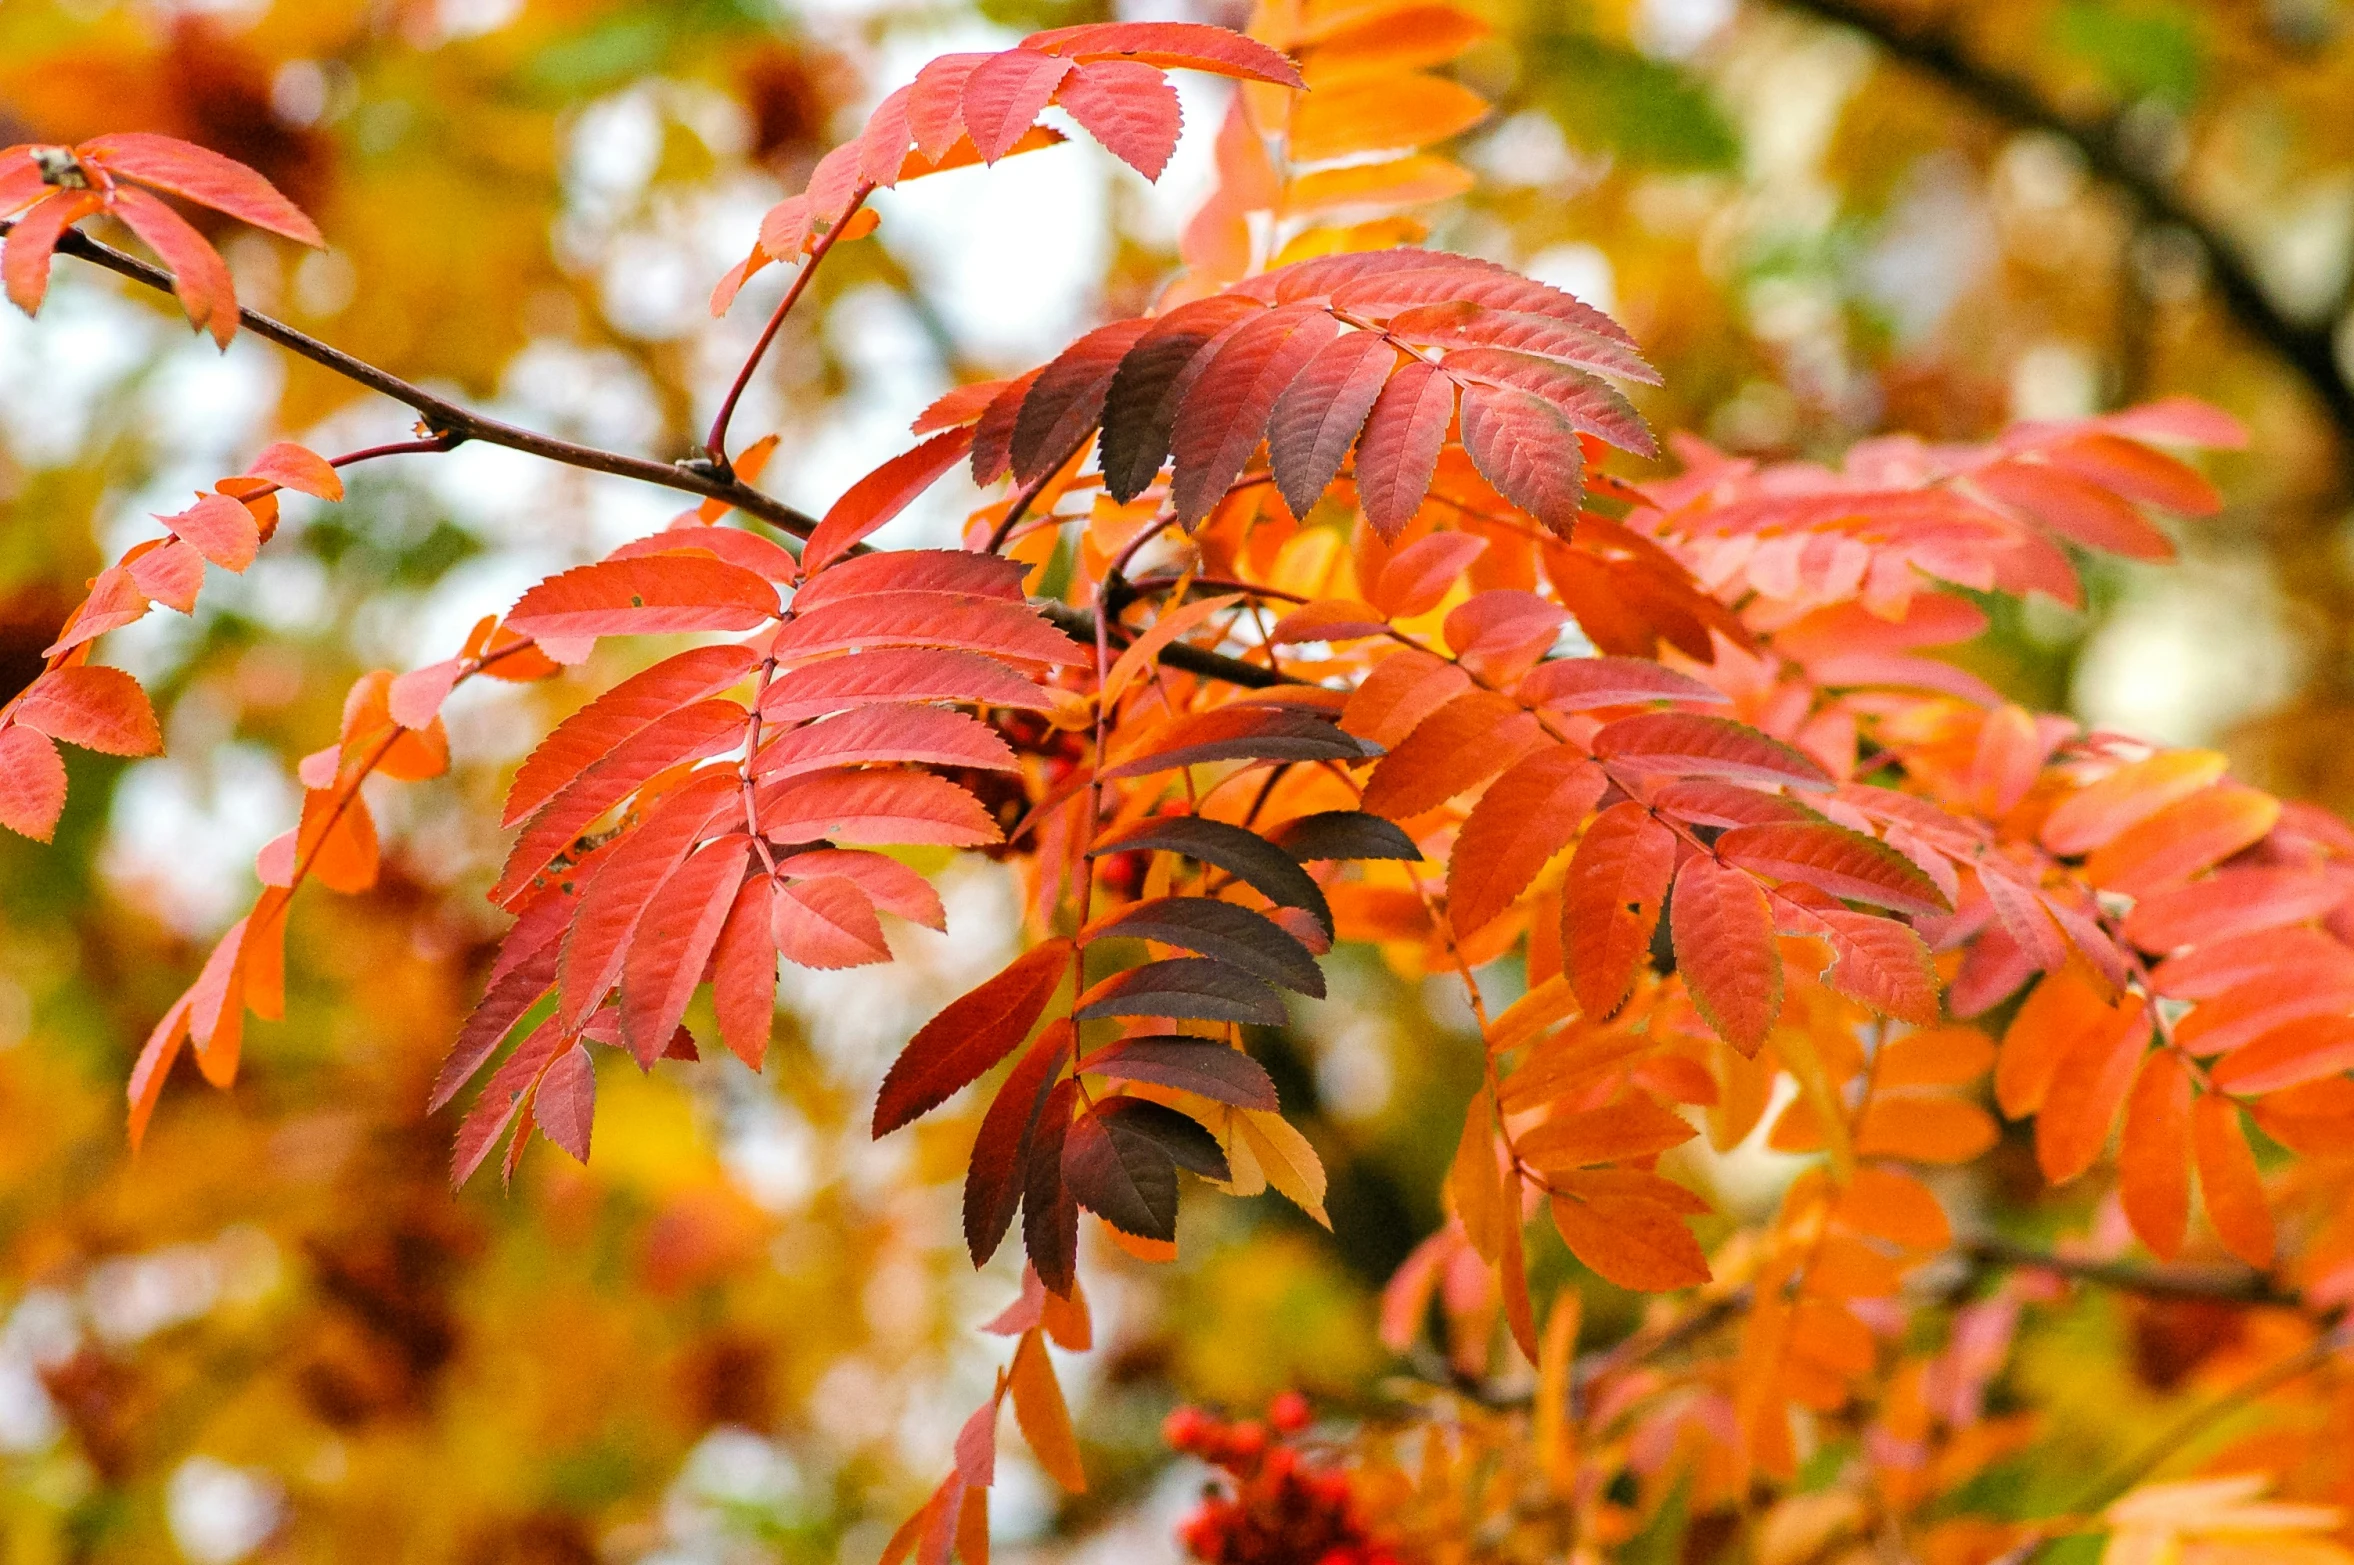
(2217, 1284)
(2307, 350)
(452, 424)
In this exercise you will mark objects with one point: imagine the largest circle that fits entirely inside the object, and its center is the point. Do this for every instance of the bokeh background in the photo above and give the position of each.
(743, 1332)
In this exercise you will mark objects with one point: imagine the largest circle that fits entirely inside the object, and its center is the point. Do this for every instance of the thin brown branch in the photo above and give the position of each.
(2216, 1284)
(2107, 151)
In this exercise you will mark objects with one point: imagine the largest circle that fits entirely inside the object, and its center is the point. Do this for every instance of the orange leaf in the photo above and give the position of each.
(1724, 943)
(2228, 1178)
(2184, 838)
(32, 783)
(1924, 1130)
(1610, 902)
(2087, 1088)
(2093, 816)
(2154, 1154)
(1040, 1410)
(1635, 1243)
(97, 708)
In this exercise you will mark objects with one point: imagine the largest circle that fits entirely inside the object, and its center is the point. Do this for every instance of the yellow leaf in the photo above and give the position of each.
(1381, 114)
(1408, 181)
(1286, 1159)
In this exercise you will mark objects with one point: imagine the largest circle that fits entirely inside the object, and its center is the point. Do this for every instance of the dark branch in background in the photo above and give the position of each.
(2216, 1284)
(453, 425)
(2106, 149)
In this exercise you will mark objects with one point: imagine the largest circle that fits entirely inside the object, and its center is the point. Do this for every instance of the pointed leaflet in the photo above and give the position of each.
(1195, 988)
(32, 783)
(1635, 1127)
(1194, 46)
(1239, 936)
(2182, 839)
(1458, 279)
(97, 708)
(1224, 413)
(1610, 903)
(1687, 744)
(1403, 689)
(1140, 655)
(1588, 405)
(565, 1107)
(1497, 634)
(522, 974)
(1130, 107)
(1004, 94)
(2230, 1182)
(626, 882)
(591, 733)
(827, 923)
(2088, 1086)
(24, 261)
(2232, 902)
(2154, 1154)
(1398, 454)
(974, 1032)
(1460, 325)
(2094, 816)
(929, 734)
(502, 1096)
(688, 734)
(1140, 408)
(1044, 1419)
(902, 675)
(172, 574)
(880, 808)
(1581, 684)
(1391, 112)
(957, 572)
(297, 467)
(1121, 1160)
(204, 177)
(1880, 963)
(1317, 418)
(1419, 576)
(1633, 1242)
(2078, 510)
(1847, 864)
(1242, 854)
(1352, 835)
(1066, 400)
(993, 1182)
(1456, 748)
(743, 974)
(993, 431)
(1239, 733)
(672, 942)
(884, 619)
(1204, 1067)
(644, 596)
(881, 495)
(1527, 448)
(1526, 816)
(887, 883)
(1050, 1218)
(1724, 943)
(200, 278)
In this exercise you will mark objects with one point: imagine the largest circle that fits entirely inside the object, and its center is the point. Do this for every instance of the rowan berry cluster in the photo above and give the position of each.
(1278, 1507)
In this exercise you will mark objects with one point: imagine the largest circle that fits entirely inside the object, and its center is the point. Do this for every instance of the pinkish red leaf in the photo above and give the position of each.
(1130, 107)
(204, 177)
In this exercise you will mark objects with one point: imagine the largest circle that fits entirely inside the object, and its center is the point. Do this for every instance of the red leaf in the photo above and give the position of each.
(961, 405)
(1398, 454)
(1527, 815)
(1686, 744)
(100, 709)
(881, 807)
(1581, 684)
(882, 145)
(1317, 418)
(732, 544)
(2154, 1154)
(1237, 935)
(2096, 815)
(1140, 409)
(1205, 1067)
(220, 529)
(1193, 988)
(592, 733)
(1224, 413)
(1880, 963)
(993, 432)
(115, 601)
(1610, 903)
(888, 619)
(688, 734)
(625, 883)
(2183, 839)
(896, 675)
(881, 495)
(1403, 689)
(1419, 576)
(2077, 510)
(565, 1107)
(32, 783)
(1130, 107)
(1067, 398)
(673, 940)
(2088, 1086)
(1460, 325)
(888, 884)
(1499, 633)
(524, 972)
(204, 177)
(743, 978)
(1244, 854)
(2232, 902)
(1527, 449)
(1462, 280)
(935, 103)
(957, 572)
(1724, 942)
(1179, 45)
(2304, 1050)
(1456, 748)
(1589, 405)
(827, 923)
(171, 573)
(297, 467)
(1004, 94)
(1001, 1152)
(642, 597)
(1332, 620)
(2133, 470)
(502, 1096)
(24, 263)
(926, 734)
(1831, 858)
(974, 1032)
(1238, 733)
(199, 276)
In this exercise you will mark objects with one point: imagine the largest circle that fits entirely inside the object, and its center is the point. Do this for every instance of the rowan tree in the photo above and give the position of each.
(1342, 609)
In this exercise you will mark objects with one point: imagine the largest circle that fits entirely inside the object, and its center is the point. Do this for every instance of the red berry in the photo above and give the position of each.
(1247, 1441)
(1290, 1413)
(1187, 1429)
